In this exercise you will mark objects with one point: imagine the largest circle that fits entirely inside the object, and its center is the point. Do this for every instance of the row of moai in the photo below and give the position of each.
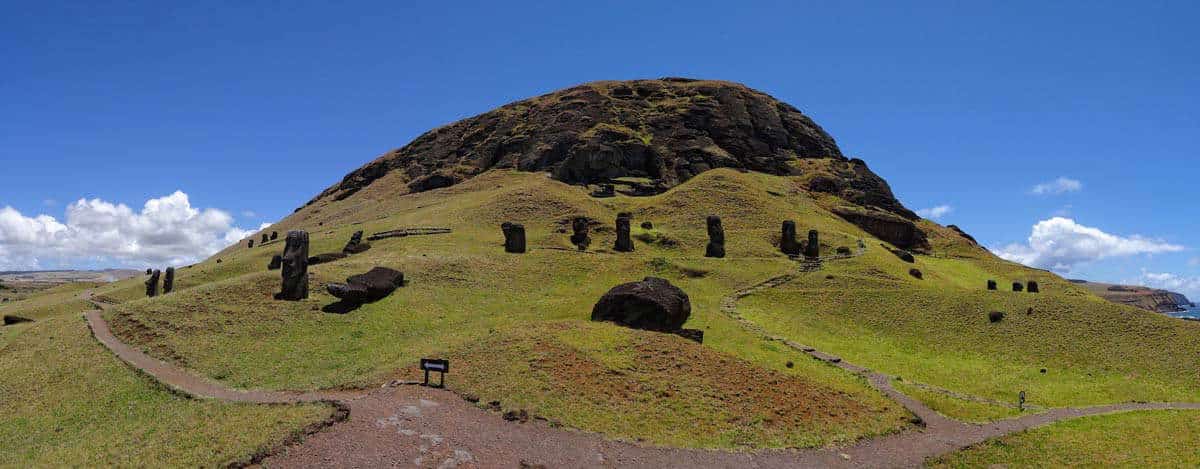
(1031, 286)
(168, 281)
(514, 237)
(265, 238)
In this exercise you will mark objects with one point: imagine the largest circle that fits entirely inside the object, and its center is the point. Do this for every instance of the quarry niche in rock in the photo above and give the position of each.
(650, 304)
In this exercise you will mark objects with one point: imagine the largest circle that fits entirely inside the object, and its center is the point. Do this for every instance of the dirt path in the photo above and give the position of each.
(412, 426)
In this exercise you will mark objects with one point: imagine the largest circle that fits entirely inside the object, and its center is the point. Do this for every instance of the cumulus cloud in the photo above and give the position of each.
(1060, 244)
(1058, 186)
(934, 213)
(167, 230)
(1188, 286)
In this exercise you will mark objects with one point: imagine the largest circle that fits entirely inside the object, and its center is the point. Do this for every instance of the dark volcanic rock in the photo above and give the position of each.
(374, 285)
(900, 232)
(995, 316)
(605, 190)
(579, 235)
(10, 320)
(651, 304)
(1017, 286)
(152, 284)
(991, 285)
(1032, 287)
(295, 267)
(326, 257)
(963, 233)
(695, 335)
(903, 255)
(276, 262)
(787, 239)
(647, 225)
(716, 238)
(356, 244)
(582, 135)
(514, 237)
(168, 280)
(624, 243)
(916, 273)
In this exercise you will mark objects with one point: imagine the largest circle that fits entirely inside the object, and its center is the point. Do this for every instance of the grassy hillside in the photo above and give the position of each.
(69, 402)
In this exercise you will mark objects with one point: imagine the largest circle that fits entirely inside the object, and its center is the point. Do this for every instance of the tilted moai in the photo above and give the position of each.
(787, 239)
(1032, 287)
(991, 285)
(295, 267)
(579, 237)
(1017, 286)
(168, 280)
(356, 244)
(152, 284)
(716, 238)
(624, 241)
(514, 237)
(274, 235)
(813, 248)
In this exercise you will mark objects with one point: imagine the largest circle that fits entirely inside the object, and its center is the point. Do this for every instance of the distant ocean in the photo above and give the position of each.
(1193, 312)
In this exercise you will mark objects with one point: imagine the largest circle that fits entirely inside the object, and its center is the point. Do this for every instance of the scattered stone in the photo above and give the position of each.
(813, 248)
(1032, 287)
(789, 364)
(10, 320)
(517, 416)
(579, 237)
(276, 262)
(1017, 286)
(605, 190)
(991, 284)
(356, 244)
(295, 267)
(695, 335)
(152, 284)
(716, 238)
(995, 316)
(168, 280)
(647, 225)
(372, 286)
(651, 304)
(494, 405)
(514, 237)
(843, 251)
(787, 239)
(624, 243)
(324, 258)
(916, 273)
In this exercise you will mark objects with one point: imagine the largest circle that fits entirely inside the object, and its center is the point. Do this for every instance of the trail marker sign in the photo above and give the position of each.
(438, 365)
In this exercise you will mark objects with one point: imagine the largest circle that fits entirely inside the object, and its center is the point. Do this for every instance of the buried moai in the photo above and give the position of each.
(813, 248)
(1032, 287)
(1017, 286)
(514, 237)
(716, 238)
(274, 235)
(152, 284)
(276, 262)
(168, 280)
(265, 238)
(991, 285)
(787, 239)
(295, 267)
(579, 235)
(624, 243)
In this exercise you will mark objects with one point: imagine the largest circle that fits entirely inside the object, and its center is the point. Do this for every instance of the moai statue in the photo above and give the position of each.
(580, 236)
(274, 235)
(265, 238)
(787, 240)
(148, 271)
(276, 262)
(152, 284)
(1018, 287)
(169, 280)
(250, 244)
(624, 242)
(1032, 287)
(813, 248)
(356, 244)
(514, 237)
(991, 284)
(295, 267)
(716, 238)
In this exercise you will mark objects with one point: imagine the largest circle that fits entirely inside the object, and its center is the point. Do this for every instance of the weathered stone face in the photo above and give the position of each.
(168, 280)
(152, 284)
(651, 304)
(514, 237)
(813, 247)
(372, 286)
(579, 237)
(295, 267)
(716, 238)
(787, 239)
(624, 242)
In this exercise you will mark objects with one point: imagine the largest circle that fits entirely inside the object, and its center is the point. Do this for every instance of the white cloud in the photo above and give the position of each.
(1061, 185)
(934, 213)
(1188, 286)
(1060, 244)
(249, 214)
(168, 230)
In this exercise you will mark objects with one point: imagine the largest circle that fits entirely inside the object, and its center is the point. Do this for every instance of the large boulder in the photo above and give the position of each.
(651, 304)
(894, 229)
(372, 286)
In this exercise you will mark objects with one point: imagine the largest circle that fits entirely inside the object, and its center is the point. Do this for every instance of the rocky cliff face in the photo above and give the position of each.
(666, 130)
(1149, 299)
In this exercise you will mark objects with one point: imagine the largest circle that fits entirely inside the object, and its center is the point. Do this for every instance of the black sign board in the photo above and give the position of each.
(440, 366)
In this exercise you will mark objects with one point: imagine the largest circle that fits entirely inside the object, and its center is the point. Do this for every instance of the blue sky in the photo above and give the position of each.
(250, 108)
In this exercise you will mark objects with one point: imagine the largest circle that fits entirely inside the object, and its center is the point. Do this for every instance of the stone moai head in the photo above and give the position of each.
(1032, 287)
(265, 238)
(514, 237)
(152, 284)
(991, 285)
(813, 248)
(274, 235)
(168, 280)
(787, 239)
(579, 237)
(624, 242)
(716, 238)
(1017, 286)
(250, 244)
(295, 267)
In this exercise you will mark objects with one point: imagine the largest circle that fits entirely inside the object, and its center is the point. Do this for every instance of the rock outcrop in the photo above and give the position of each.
(651, 304)
(889, 227)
